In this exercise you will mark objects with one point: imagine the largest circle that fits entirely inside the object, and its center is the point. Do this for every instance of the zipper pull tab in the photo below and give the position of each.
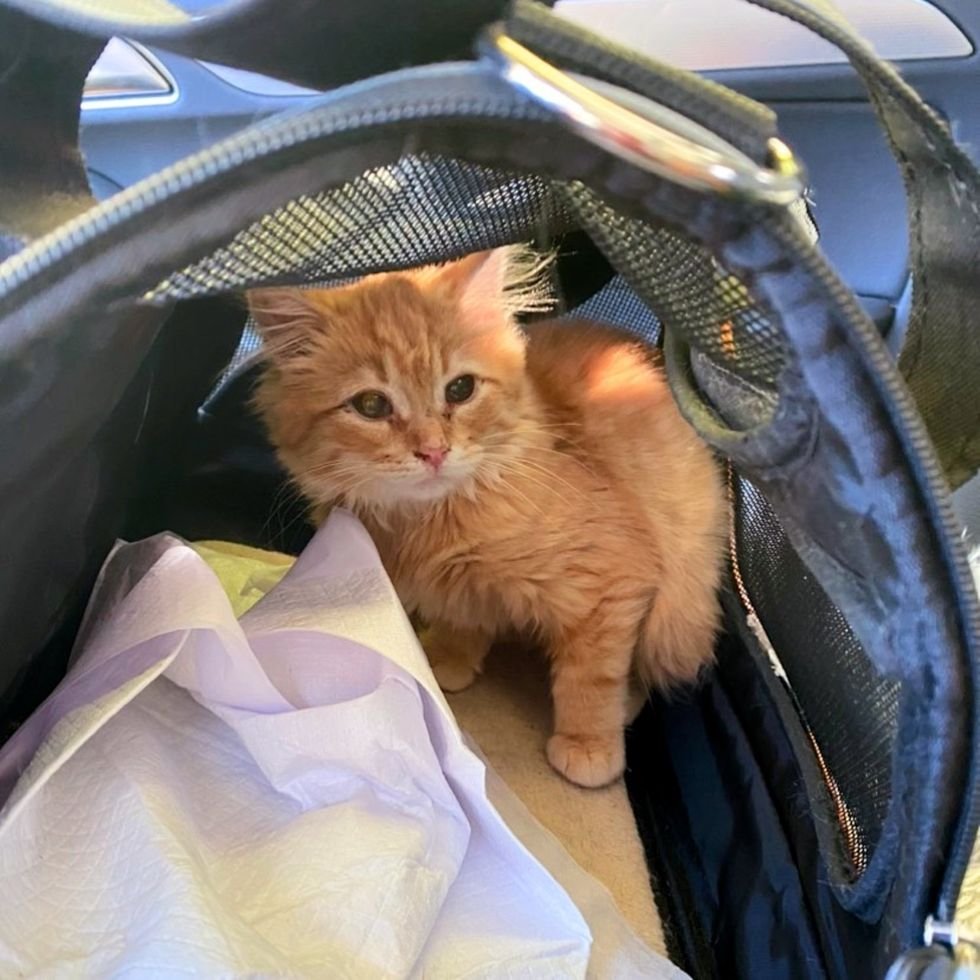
(948, 954)
(932, 963)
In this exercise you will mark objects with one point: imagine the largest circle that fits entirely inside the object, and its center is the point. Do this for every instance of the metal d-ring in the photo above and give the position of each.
(645, 133)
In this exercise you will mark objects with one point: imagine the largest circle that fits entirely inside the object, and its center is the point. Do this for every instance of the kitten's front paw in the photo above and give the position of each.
(454, 675)
(588, 760)
(455, 655)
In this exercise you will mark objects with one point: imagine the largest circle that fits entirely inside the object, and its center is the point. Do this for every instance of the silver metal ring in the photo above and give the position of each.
(645, 133)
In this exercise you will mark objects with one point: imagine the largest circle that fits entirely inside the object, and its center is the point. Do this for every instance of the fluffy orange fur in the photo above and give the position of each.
(572, 503)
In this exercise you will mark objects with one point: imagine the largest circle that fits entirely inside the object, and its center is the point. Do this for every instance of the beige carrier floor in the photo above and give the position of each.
(507, 712)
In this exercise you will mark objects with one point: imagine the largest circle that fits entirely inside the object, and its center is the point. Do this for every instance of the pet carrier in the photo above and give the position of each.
(811, 810)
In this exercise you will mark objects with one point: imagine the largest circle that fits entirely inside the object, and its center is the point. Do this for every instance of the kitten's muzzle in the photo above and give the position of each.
(433, 456)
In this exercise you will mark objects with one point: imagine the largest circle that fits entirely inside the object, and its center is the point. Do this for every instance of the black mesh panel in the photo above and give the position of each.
(617, 305)
(423, 210)
(415, 212)
(851, 710)
(689, 290)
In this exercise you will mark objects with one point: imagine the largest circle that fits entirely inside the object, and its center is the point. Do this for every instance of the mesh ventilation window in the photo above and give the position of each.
(617, 305)
(423, 210)
(851, 710)
(418, 211)
(689, 291)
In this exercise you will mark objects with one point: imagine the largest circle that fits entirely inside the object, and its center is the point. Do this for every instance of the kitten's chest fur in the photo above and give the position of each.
(526, 561)
(456, 564)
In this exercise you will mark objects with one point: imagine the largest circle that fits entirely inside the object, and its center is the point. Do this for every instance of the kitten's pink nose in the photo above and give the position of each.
(433, 456)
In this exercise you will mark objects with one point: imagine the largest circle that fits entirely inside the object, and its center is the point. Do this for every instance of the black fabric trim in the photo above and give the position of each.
(731, 894)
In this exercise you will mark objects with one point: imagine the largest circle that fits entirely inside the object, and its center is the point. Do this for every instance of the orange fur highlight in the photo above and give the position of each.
(575, 504)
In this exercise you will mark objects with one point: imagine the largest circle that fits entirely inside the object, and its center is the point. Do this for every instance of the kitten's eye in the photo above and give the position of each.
(372, 405)
(460, 389)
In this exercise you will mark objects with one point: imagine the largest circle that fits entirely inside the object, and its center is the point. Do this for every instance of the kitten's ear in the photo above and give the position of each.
(513, 280)
(284, 317)
(479, 279)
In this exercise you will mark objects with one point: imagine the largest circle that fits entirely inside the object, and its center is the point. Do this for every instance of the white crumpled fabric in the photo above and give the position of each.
(286, 794)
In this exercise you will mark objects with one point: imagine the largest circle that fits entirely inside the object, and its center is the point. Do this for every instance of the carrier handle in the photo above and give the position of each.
(43, 182)
(314, 43)
(940, 356)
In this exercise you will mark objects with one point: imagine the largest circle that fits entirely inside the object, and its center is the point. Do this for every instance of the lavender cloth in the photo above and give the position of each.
(283, 795)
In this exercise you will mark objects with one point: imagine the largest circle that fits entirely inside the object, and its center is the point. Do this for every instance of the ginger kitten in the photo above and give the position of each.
(540, 481)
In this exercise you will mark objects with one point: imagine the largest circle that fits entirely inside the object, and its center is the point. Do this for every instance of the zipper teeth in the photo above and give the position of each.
(854, 843)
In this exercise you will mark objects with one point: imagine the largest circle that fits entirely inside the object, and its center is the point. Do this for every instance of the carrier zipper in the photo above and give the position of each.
(854, 844)
(912, 432)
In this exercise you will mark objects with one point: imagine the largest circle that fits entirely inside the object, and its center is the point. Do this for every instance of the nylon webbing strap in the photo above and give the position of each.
(744, 123)
(941, 356)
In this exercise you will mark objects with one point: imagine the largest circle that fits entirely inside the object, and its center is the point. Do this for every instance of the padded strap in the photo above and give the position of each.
(42, 174)
(316, 43)
(940, 359)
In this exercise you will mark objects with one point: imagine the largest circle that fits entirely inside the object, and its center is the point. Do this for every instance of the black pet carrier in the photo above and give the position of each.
(810, 812)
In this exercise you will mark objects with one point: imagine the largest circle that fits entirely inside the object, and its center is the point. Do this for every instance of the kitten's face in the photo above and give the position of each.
(401, 389)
